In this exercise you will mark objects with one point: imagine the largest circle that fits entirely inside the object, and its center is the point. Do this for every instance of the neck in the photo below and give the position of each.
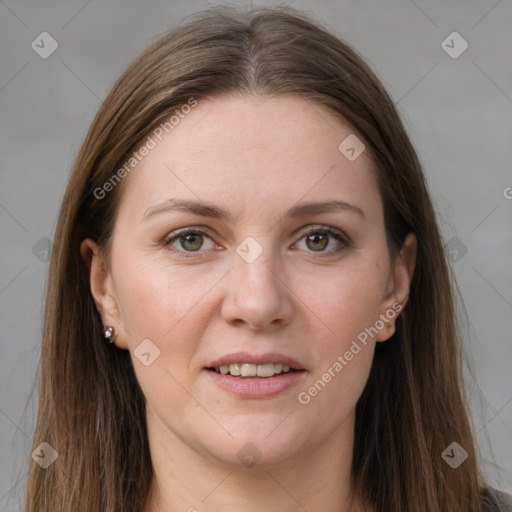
(186, 480)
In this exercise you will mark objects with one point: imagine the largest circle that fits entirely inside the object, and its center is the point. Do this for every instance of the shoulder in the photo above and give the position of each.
(497, 501)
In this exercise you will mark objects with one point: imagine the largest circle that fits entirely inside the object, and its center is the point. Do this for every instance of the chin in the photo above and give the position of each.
(253, 447)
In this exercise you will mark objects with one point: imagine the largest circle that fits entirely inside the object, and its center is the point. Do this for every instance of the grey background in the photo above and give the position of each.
(458, 113)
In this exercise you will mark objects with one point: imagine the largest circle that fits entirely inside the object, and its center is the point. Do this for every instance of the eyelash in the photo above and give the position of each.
(343, 239)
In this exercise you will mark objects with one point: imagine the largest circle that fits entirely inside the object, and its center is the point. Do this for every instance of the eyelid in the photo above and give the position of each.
(328, 229)
(183, 231)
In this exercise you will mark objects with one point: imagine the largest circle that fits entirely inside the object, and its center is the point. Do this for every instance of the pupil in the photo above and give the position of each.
(314, 238)
(192, 238)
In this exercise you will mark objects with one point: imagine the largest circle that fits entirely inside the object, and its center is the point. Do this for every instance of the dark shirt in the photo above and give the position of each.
(497, 501)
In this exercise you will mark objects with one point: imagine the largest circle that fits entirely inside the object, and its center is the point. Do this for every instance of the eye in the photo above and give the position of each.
(188, 240)
(318, 239)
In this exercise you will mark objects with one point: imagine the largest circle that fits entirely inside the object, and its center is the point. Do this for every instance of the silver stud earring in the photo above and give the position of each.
(109, 334)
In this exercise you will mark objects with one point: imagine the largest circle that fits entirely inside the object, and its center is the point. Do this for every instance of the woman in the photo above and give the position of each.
(249, 306)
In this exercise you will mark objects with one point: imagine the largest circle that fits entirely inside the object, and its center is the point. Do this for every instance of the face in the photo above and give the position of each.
(260, 280)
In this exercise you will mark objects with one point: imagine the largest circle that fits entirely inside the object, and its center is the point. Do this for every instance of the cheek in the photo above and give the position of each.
(342, 361)
(347, 303)
(156, 297)
(329, 398)
(172, 309)
(349, 307)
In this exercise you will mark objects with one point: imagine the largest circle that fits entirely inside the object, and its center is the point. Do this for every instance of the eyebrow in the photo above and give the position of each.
(204, 209)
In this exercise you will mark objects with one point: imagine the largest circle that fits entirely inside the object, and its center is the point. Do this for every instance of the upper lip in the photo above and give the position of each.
(245, 357)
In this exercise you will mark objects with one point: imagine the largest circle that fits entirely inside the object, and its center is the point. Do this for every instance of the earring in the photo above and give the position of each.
(109, 334)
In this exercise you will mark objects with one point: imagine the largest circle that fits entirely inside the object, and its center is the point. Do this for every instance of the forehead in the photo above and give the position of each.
(246, 149)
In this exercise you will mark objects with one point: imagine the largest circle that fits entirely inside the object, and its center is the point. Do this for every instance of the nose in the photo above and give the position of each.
(257, 294)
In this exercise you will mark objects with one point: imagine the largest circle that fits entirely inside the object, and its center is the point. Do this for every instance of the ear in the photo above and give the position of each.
(103, 290)
(399, 286)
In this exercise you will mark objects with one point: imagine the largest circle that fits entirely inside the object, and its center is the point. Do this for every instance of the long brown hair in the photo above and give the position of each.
(91, 408)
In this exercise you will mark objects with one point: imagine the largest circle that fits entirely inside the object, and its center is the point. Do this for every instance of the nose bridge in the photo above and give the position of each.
(254, 261)
(257, 294)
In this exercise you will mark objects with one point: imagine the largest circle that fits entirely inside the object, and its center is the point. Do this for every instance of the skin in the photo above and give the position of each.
(255, 157)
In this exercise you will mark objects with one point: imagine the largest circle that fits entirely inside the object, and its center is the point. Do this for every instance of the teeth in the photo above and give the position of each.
(253, 370)
(249, 370)
(265, 370)
(235, 369)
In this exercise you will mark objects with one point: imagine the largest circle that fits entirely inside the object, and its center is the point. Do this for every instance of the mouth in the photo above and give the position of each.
(252, 371)
(252, 366)
(250, 376)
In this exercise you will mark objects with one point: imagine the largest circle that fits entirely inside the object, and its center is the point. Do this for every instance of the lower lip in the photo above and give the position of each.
(258, 387)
